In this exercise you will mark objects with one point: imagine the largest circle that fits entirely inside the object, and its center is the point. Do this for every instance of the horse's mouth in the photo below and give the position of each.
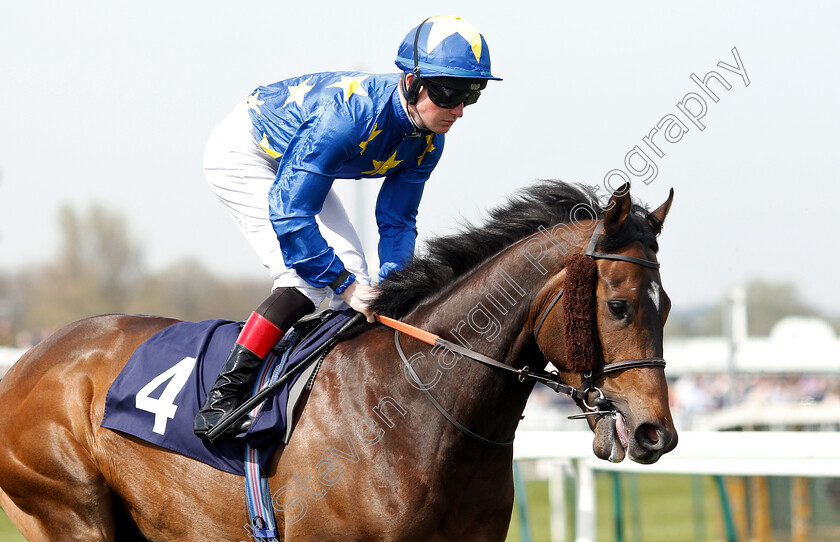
(612, 438)
(621, 439)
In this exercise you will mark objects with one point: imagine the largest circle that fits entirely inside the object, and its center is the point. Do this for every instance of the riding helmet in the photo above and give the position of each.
(445, 46)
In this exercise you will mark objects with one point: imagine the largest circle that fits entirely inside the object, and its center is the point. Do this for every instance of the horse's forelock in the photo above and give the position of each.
(635, 228)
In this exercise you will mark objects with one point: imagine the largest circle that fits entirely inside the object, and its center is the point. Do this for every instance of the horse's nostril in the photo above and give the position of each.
(649, 436)
(653, 434)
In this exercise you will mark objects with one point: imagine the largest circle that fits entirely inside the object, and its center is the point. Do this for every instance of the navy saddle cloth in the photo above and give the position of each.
(166, 380)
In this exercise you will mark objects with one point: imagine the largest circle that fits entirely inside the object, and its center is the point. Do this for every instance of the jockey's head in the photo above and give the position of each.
(448, 57)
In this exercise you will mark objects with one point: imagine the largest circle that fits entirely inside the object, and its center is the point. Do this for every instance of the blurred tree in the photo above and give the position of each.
(99, 269)
(767, 303)
(678, 325)
(95, 272)
(188, 291)
(6, 329)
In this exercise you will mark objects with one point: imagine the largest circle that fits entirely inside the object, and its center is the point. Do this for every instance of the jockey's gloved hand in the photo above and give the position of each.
(386, 268)
(359, 296)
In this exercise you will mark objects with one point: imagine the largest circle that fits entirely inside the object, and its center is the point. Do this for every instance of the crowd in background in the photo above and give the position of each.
(697, 396)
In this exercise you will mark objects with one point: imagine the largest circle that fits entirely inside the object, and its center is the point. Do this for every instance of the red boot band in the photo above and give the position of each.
(259, 335)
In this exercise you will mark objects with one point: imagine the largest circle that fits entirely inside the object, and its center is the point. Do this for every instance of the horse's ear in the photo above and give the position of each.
(617, 209)
(657, 217)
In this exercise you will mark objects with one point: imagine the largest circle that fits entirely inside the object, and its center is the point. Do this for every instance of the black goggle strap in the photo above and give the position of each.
(412, 92)
(416, 39)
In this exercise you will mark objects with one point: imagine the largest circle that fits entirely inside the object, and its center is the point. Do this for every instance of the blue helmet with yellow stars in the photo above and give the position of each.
(445, 46)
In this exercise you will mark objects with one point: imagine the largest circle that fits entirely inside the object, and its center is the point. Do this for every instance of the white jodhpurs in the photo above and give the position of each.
(240, 173)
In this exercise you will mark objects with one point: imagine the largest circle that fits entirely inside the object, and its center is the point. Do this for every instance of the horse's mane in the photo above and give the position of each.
(448, 257)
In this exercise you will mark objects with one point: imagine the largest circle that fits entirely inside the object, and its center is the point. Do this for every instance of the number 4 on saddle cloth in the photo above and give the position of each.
(166, 380)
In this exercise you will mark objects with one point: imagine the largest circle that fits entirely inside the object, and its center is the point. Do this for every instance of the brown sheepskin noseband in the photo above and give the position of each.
(579, 313)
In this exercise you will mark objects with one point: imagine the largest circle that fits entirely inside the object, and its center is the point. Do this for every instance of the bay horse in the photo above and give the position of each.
(371, 457)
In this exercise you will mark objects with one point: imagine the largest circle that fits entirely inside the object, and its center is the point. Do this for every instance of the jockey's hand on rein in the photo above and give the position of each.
(359, 296)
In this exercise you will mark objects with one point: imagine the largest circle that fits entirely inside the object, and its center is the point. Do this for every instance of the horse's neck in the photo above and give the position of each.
(486, 312)
(488, 309)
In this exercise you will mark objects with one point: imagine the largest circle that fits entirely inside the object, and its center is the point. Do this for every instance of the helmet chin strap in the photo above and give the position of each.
(411, 106)
(411, 92)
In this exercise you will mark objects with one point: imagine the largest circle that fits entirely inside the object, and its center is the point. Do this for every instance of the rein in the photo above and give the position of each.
(602, 404)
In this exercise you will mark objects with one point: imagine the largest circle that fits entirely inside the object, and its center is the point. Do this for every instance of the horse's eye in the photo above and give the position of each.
(618, 309)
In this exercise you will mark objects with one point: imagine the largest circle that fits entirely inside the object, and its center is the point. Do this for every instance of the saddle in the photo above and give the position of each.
(167, 378)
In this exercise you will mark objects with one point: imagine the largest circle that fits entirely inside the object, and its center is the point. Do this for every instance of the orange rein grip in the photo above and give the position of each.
(408, 329)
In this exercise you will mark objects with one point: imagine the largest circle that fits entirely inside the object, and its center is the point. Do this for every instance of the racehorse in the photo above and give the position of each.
(372, 457)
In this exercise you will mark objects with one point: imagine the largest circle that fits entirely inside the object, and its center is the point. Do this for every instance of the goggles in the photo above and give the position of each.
(449, 98)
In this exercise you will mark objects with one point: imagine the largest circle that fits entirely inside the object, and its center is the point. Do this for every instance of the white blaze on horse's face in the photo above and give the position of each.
(653, 292)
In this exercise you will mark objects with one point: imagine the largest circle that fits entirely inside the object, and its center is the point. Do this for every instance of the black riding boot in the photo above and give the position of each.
(264, 329)
(234, 381)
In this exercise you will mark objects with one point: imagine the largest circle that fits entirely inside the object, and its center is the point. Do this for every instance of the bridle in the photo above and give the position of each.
(602, 405)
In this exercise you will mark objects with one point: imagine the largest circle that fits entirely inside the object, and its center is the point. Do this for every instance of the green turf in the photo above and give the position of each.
(664, 505)
(656, 508)
(8, 533)
(671, 508)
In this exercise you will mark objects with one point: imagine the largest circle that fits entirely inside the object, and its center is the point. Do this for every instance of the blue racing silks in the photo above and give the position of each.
(341, 125)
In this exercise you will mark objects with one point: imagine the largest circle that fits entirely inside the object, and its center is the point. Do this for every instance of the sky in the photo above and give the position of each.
(112, 103)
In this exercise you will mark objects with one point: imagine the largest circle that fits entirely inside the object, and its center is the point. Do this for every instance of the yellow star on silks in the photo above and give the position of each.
(271, 152)
(429, 148)
(380, 168)
(297, 92)
(254, 102)
(351, 85)
(445, 26)
(373, 134)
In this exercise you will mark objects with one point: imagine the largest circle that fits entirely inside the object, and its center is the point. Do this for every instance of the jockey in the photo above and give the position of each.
(273, 160)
